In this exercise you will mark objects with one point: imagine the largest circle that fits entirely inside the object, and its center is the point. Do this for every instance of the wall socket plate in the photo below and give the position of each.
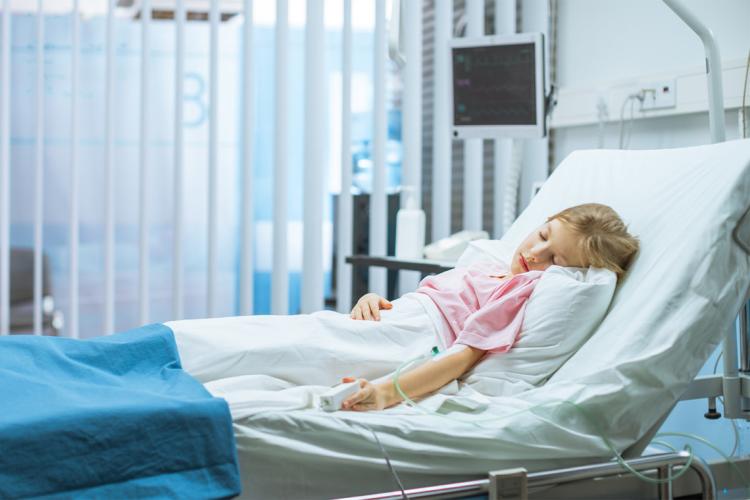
(659, 95)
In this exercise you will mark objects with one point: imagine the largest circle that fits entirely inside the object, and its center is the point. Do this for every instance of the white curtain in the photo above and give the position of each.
(57, 101)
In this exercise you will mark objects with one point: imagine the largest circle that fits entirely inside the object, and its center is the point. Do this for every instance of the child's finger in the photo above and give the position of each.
(385, 304)
(366, 314)
(359, 396)
(353, 399)
(375, 311)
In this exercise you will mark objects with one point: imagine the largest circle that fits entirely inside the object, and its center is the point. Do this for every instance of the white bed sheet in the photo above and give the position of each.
(259, 363)
(668, 315)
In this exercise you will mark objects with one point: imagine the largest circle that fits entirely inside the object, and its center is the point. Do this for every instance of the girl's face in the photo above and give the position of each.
(552, 243)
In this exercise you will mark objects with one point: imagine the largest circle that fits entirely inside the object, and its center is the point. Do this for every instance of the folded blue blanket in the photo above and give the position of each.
(114, 416)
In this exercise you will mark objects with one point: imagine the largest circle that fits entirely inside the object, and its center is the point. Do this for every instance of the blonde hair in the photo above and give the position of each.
(605, 241)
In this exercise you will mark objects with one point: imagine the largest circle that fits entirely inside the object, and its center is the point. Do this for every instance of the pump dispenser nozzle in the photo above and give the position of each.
(410, 199)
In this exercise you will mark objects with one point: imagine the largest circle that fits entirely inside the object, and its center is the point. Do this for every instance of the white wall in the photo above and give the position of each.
(606, 40)
(603, 41)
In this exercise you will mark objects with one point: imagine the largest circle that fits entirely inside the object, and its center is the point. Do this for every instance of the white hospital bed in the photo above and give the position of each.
(678, 301)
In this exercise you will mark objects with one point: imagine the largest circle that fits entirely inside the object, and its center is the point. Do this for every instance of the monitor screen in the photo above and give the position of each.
(498, 86)
(494, 85)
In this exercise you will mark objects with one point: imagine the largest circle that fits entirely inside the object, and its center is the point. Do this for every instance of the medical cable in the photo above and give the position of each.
(665, 445)
(385, 454)
(578, 408)
(387, 461)
(601, 117)
(718, 358)
(630, 122)
(735, 446)
(713, 447)
(639, 96)
(743, 109)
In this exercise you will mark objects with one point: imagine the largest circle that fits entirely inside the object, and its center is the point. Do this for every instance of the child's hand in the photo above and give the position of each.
(368, 307)
(369, 397)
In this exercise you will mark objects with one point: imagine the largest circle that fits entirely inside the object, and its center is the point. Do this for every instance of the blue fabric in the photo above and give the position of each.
(114, 416)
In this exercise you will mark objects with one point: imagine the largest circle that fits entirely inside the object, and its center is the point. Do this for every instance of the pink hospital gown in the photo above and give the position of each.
(481, 309)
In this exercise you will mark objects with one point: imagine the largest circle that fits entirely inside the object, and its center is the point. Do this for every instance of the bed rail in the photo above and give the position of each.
(514, 483)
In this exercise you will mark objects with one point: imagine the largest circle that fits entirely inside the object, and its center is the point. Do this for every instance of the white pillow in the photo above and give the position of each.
(566, 306)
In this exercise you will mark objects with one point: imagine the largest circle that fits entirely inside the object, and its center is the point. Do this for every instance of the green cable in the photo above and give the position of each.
(712, 446)
(665, 445)
(583, 412)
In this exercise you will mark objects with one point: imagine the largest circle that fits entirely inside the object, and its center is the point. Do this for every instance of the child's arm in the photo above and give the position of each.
(422, 380)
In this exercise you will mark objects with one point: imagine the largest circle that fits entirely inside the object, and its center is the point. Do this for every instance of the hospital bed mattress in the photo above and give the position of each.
(112, 417)
(670, 312)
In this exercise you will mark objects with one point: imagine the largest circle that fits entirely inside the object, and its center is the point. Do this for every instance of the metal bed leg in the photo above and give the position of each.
(744, 360)
(665, 488)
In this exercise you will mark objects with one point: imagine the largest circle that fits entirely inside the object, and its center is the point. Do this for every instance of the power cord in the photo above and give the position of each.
(632, 98)
(601, 118)
(743, 110)
(388, 463)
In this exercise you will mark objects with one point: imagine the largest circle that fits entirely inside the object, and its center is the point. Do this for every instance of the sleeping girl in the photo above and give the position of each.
(482, 306)
(268, 361)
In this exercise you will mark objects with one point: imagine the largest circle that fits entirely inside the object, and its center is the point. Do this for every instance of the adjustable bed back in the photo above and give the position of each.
(683, 290)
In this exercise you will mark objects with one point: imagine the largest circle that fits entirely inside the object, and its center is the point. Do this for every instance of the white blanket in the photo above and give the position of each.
(259, 363)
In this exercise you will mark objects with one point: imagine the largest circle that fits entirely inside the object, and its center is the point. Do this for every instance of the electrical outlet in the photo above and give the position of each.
(659, 95)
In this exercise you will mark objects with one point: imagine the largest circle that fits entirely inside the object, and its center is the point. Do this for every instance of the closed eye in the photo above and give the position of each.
(541, 235)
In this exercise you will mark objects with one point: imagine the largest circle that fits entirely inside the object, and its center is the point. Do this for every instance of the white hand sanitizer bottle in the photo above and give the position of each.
(410, 227)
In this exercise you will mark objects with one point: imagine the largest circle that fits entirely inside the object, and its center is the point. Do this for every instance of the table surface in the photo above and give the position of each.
(422, 265)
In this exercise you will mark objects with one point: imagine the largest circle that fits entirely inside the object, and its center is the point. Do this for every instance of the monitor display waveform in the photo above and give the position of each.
(494, 85)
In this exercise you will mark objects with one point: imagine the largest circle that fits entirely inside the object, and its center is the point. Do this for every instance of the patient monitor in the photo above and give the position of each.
(498, 86)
